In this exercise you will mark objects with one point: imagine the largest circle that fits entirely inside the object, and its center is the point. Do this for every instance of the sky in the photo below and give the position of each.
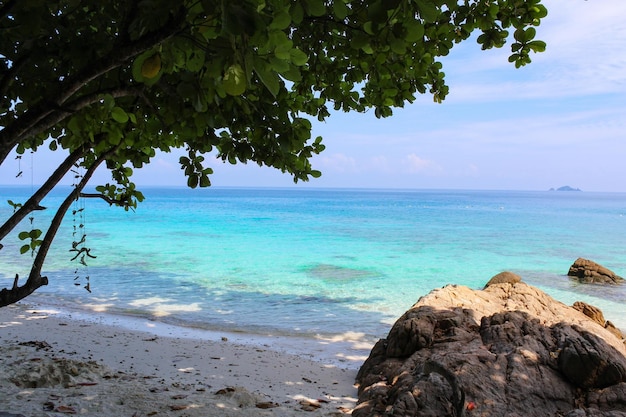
(558, 121)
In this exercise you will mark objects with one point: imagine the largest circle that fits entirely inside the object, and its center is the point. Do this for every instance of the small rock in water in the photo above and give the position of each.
(589, 272)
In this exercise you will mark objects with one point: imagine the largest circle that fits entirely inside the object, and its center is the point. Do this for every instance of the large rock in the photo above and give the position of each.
(508, 350)
(589, 272)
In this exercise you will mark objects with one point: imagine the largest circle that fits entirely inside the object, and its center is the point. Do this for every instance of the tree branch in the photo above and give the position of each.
(35, 280)
(80, 103)
(111, 201)
(27, 123)
(34, 201)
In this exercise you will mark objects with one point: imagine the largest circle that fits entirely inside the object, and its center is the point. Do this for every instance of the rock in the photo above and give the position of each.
(586, 360)
(594, 412)
(507, 350)
(589, 272)
(595, 314)
(505, 277)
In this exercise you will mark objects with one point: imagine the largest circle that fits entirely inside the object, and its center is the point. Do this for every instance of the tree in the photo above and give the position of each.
(110, 82)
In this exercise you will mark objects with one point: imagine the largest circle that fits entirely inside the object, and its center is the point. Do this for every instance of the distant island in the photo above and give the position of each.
(565, 188)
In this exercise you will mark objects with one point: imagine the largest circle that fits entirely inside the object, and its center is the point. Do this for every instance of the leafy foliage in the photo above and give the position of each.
(232, 76)
(113, 81)
(33, 236)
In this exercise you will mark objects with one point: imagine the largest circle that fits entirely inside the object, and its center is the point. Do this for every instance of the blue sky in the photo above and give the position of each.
(559, 121)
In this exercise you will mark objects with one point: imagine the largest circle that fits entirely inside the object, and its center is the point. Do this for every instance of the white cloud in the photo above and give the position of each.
(584, 57)
(338, 162)
(380, 163)
(165, 164)
(415, 164)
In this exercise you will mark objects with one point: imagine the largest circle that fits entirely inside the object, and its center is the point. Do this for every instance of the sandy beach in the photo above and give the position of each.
(54, 363)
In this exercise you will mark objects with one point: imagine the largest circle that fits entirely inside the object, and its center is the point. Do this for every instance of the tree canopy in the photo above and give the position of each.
(111, 82)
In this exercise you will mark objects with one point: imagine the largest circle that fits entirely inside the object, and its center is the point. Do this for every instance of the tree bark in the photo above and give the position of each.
(33, 203)
(35, 280)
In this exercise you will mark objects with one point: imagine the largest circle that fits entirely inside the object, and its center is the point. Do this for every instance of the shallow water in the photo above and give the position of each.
(319, 262)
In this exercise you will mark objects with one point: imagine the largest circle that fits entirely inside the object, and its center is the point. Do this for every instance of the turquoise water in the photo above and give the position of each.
(319, 262)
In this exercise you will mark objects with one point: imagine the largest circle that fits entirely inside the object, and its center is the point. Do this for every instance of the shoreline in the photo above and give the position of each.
(285, 375)
(347, 350)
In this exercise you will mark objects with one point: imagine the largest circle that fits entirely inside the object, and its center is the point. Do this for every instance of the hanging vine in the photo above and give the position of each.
(79, 234)
(30, 238)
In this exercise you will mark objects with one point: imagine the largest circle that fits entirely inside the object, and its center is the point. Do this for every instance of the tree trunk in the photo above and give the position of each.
(34, 201)
(35, 280)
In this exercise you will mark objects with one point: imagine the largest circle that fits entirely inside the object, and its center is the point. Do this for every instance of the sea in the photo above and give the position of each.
(313, 263)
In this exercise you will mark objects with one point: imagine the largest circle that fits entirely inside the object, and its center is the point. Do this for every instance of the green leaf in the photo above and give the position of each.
(537, 46)
(539, 11)
(279, 65)
(268, 77)
(493, 10)
(359, 40)
(298, 57)
(23, 235)
(281, 20)
(367, 49)
(340, 9)
(398, 46)
(119, 115)
(414, 31)
(297, 12)
(192, 181)
(283, 49)
(525, 36)
(195, 60)
(108, 101)
(136, 68)
(205, 181)
(315, 7)
(428, 10)
(292, 74)
(377, 12)
(74, 125)
(24, 249)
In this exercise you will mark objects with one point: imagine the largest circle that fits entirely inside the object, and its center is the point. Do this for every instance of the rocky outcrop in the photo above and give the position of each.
(589, 272)
(508, 350)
